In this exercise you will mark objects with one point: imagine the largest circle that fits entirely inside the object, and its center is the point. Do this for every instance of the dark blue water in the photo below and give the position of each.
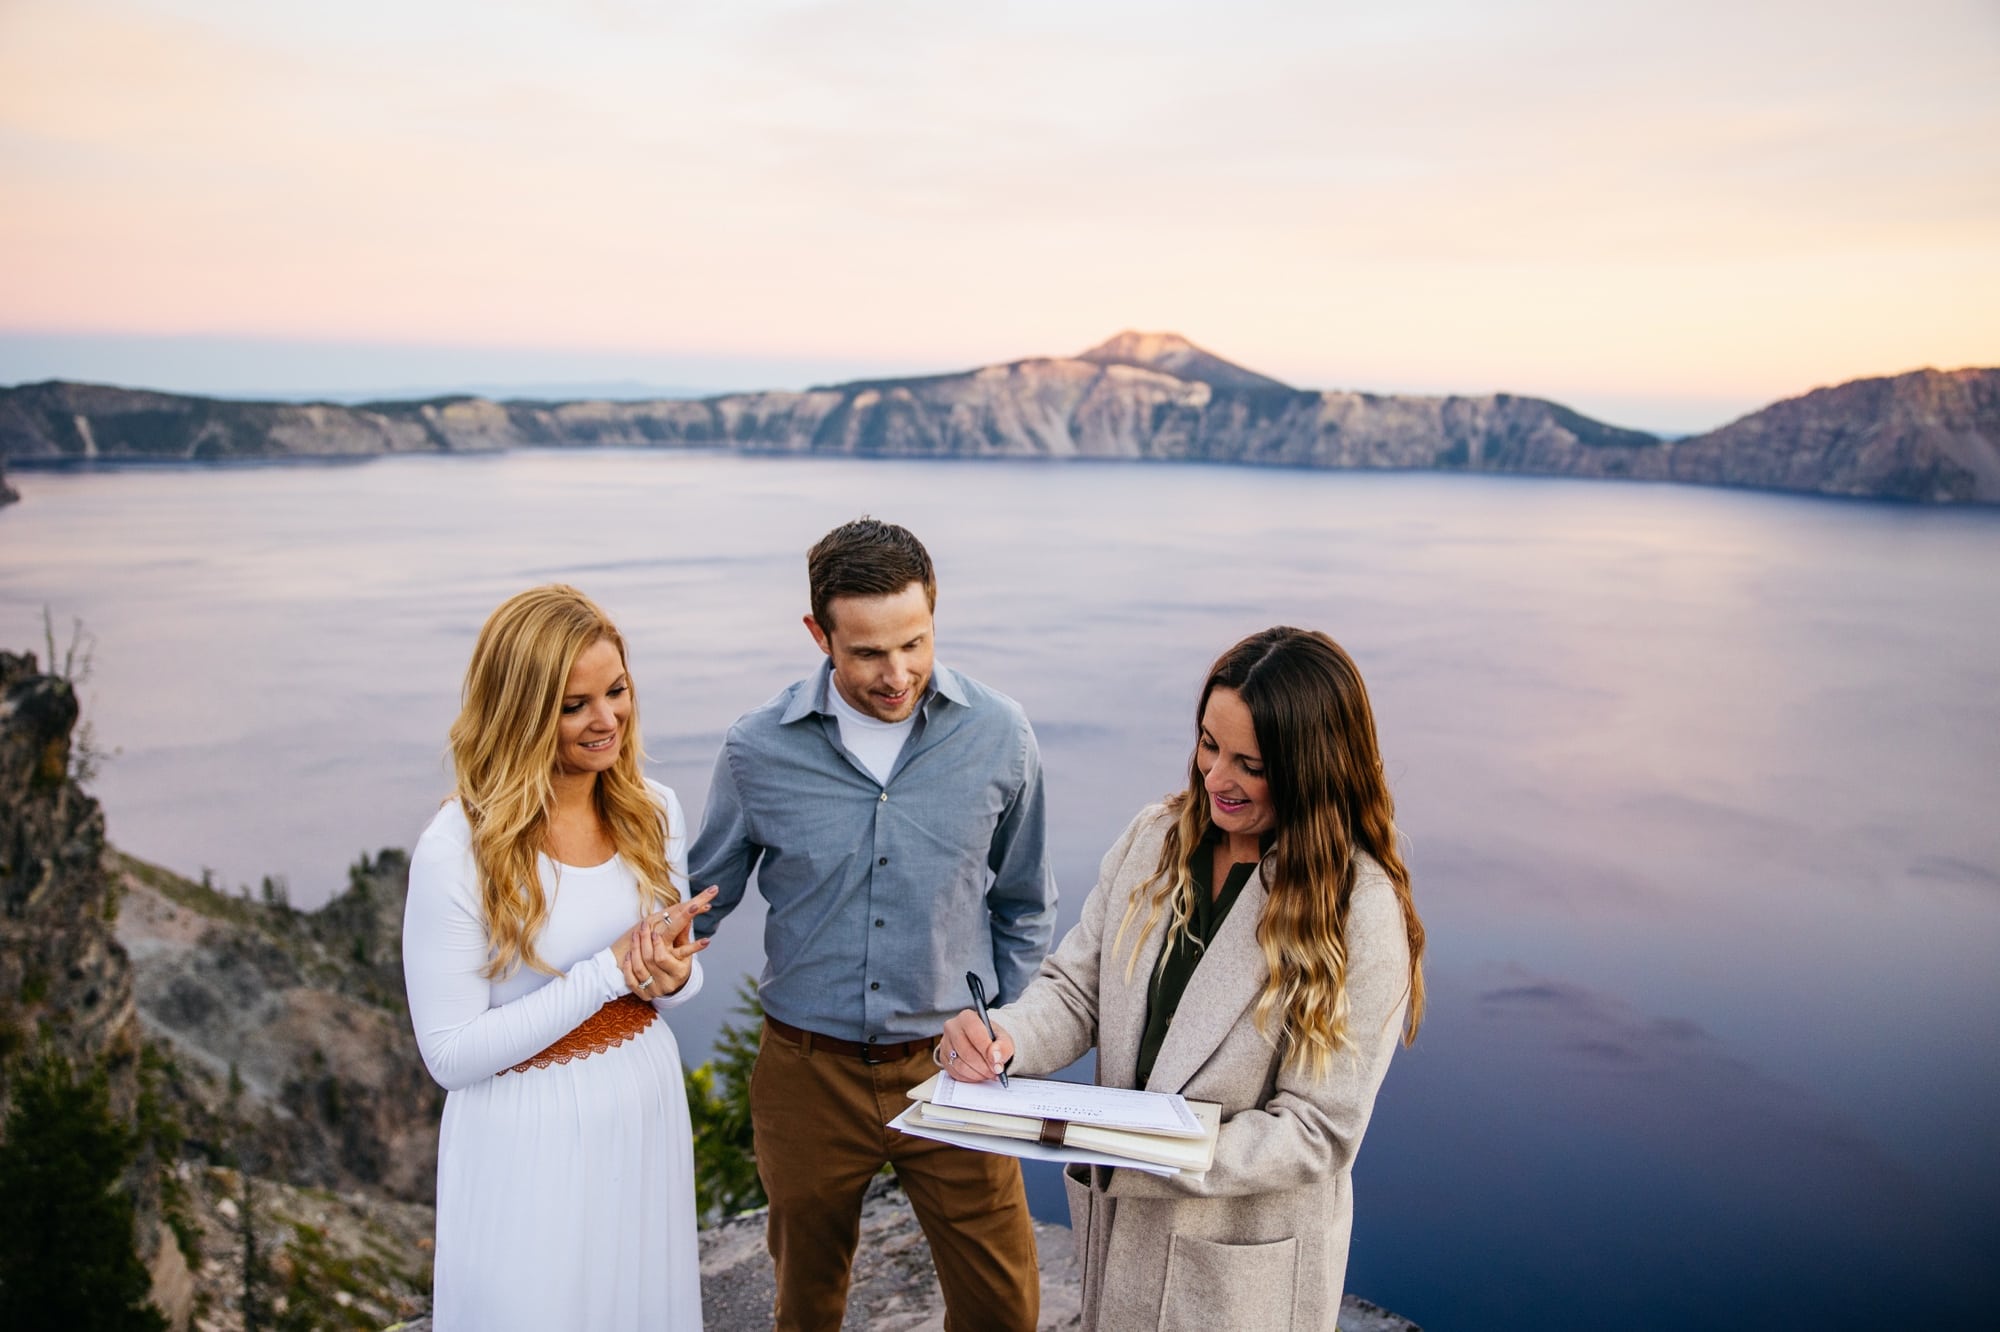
(1699, 788)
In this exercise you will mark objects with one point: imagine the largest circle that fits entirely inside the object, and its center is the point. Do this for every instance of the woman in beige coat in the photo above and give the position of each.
(1250, 941)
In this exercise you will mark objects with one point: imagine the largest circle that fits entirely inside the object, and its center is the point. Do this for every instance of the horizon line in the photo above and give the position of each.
(256, 368)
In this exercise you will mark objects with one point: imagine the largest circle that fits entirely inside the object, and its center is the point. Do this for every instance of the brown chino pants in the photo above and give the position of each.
(821, 1124)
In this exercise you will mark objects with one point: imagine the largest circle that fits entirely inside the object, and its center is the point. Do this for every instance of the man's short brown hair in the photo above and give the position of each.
(866, 558)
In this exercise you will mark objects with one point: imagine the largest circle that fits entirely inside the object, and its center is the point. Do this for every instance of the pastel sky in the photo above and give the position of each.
(1663, 214)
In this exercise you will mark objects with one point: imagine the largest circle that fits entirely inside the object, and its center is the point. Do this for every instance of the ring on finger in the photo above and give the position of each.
(647, 984)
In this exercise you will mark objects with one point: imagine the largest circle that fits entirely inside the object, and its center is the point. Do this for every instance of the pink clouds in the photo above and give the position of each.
(1558, 200)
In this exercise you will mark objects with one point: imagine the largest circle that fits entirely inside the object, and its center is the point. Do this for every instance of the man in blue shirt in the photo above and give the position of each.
(893, 812)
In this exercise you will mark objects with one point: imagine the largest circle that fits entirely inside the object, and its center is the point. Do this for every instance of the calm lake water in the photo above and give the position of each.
(1700, 788)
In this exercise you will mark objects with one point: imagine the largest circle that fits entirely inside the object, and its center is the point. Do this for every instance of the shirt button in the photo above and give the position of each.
(878, 922)
(874, 985)
(883, 861)
(885, 797)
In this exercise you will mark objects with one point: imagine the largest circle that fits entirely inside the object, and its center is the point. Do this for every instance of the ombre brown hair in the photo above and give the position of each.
(503, 753)
(1316, 736)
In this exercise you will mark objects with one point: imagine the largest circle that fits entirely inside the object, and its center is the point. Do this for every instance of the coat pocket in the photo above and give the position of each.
(1212, 1285)
(1076, 1184)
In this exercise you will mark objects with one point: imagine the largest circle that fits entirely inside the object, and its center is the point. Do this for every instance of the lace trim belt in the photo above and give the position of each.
(612, 1025)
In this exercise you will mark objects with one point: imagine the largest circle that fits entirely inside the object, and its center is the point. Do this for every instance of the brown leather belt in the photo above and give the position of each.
(874, 1052)
(614, 1024)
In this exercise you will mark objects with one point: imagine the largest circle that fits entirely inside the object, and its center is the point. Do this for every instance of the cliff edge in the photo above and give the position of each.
(65, 982)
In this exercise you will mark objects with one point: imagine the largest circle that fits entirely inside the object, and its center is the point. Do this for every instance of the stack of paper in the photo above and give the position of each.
(1158, 1132)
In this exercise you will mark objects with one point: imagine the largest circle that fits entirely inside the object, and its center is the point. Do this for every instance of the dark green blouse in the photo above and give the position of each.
(1163, 997)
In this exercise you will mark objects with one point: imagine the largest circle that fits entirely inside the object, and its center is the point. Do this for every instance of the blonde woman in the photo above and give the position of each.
(1250, 941)
(545, 933)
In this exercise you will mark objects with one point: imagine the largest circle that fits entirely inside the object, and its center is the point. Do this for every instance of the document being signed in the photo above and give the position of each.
(1164, 1113)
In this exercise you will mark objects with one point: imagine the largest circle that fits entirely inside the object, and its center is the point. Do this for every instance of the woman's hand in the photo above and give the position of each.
(660, 949)
(625, 951)
(966, 1053)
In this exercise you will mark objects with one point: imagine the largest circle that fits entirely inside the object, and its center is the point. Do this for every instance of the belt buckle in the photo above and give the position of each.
(868, 1054)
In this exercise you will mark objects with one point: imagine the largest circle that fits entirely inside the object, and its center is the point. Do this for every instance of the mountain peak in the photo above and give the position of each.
(1135, 348)
(1172, 354)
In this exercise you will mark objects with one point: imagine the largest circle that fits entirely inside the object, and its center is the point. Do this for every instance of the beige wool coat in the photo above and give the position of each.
(1260, 1240)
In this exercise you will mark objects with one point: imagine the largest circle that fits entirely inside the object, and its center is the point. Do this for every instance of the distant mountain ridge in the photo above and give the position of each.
(1929, 436)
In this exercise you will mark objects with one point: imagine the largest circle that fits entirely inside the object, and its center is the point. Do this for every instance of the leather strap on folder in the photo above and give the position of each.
(1054, 1131)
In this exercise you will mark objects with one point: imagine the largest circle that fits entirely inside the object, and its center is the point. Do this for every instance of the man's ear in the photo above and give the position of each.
(819, 634)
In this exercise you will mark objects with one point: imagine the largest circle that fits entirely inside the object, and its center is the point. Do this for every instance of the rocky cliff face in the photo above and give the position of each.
(60, 969)
(1114, 401)
(87, 421)
(1928, 436)
(291, 1045)
(274, 1037)
(64, 979)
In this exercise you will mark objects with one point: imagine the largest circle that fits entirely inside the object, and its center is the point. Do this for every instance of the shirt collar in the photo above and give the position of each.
(811, 700)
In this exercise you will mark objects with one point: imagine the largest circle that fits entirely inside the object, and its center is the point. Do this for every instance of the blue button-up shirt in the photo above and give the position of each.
(882, 895)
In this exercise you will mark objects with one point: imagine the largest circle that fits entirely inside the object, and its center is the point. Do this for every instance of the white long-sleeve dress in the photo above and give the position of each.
(565, 1193)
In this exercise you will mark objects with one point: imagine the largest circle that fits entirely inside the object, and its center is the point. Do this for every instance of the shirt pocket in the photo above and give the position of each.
(1213, 1285)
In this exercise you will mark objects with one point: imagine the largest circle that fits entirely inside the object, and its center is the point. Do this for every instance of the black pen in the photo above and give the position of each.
(979, 1002)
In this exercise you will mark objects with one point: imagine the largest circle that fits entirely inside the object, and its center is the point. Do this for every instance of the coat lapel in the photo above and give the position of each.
(1217, 999)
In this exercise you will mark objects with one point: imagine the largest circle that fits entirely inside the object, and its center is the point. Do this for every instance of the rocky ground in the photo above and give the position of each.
(319, 1259)
(895, 1288)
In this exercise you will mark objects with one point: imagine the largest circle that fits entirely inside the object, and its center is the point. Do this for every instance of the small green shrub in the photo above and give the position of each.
(718, 1094)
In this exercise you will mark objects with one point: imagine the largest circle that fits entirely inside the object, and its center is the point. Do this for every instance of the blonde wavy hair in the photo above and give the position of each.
(503, 753)
(1316, 735)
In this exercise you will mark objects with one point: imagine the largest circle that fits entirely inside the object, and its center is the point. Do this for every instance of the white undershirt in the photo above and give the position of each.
(874, 742)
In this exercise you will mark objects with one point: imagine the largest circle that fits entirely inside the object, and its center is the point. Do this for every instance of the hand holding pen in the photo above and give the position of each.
(978, 989)
(972, 1049)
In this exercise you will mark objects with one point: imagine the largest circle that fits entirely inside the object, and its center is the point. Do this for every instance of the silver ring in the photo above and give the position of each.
(646, 984)
(951, 1054)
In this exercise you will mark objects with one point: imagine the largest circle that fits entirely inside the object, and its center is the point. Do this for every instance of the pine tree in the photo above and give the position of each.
(66, 1256)
(254, 1274)
(718, 1092)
